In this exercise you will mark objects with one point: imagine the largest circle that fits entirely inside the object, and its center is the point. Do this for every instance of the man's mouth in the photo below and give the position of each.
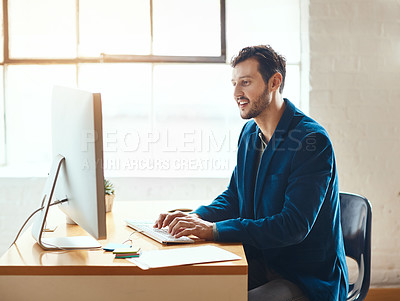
(242, 101)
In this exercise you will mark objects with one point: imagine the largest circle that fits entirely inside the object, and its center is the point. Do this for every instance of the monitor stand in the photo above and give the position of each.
(39, 226)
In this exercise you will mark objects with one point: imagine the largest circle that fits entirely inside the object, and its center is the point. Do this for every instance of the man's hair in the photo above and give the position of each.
(269, 61)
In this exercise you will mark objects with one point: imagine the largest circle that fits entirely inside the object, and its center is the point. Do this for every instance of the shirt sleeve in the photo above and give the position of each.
(215, 232)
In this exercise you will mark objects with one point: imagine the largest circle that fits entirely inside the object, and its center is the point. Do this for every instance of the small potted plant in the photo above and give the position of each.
(109, 194)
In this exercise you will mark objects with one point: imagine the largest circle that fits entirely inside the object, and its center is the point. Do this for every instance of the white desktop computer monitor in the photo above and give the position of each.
(76, 175)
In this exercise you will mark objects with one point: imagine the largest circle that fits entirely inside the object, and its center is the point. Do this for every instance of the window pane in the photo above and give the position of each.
(28, 105)
(42, 29)
(126, 101)
(1, 36)
(187, 27)
(114, 27)
(194, 89)
(158, 119)
(125, 88)
(292, 84)
(197, 120)
(271, 23)
(2, 128)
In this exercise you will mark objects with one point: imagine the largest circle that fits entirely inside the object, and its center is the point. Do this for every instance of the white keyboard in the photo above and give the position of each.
(160, 235)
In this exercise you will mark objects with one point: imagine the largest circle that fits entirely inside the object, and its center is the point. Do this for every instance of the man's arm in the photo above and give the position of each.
(183, 224)
(308, 183)
(200, 222)
(225, 206)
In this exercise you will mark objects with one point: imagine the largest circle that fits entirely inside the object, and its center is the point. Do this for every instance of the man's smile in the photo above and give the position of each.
(242, 101)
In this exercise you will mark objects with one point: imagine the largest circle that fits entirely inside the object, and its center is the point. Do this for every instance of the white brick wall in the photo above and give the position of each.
(355, 94)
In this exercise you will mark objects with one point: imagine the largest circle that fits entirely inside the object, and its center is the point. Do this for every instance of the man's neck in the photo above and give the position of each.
(268, 120)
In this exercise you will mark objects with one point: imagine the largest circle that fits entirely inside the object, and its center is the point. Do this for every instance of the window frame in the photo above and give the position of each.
(104, 58)
(303, 62)
(117, 58)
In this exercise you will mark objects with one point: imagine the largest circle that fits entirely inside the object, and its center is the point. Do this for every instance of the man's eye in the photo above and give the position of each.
(245, 82)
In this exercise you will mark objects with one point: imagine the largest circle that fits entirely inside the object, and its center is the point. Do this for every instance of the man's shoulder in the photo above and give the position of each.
(250, 127)
(304, 125)
(307, 124)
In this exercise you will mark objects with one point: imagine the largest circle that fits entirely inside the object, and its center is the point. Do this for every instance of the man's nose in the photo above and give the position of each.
(237, 93)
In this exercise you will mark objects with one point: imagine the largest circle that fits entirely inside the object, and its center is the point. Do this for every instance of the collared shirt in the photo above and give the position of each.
(263, 143)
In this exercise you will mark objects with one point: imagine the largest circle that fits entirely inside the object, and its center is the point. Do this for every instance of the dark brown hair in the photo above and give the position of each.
(269, 61)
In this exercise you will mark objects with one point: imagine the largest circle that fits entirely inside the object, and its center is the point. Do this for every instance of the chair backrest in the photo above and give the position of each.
(356, 225)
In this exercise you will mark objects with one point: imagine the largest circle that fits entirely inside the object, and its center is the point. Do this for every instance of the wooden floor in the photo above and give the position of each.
(383, 294)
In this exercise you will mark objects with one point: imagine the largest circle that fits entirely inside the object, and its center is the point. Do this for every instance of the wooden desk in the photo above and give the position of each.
(29, 273)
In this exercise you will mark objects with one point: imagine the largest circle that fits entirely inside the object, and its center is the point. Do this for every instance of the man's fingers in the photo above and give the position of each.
(196, 230)
(160, 220)
(176, 220)
(185, 232)
(170, 217)
(184, 224)
(179, 224)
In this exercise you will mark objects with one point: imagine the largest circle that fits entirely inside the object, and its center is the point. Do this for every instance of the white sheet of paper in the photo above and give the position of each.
(182, 256)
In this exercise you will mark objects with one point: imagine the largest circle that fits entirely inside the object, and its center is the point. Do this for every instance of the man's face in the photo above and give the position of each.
(250, 92)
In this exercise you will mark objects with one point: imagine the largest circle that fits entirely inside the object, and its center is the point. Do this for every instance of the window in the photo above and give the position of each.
(162, 67)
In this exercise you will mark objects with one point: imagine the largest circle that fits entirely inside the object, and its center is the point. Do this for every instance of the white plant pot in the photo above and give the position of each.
(109, 202)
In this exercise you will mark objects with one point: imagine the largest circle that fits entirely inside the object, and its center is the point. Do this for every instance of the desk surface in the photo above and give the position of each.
(27, 258)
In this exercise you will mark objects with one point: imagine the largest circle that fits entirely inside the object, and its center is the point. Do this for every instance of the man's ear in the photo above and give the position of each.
(275, 82)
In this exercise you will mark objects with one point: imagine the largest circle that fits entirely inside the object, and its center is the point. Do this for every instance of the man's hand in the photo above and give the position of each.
(183, 224)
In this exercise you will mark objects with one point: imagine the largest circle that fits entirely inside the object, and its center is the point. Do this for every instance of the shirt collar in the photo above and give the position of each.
(263, 143)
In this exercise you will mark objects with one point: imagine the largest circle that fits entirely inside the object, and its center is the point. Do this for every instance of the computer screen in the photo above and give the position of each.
(76, 174)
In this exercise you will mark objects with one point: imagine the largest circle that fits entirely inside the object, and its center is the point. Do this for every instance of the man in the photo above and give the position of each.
(282, 202)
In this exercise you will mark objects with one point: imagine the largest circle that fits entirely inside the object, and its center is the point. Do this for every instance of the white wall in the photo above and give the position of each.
(355, 73)
(19, 197)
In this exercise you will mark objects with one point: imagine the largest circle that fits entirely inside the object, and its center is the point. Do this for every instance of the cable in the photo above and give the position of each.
(36, 211)
(130, 239)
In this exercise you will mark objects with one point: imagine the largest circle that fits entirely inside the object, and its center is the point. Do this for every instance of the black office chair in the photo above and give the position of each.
(356, 225)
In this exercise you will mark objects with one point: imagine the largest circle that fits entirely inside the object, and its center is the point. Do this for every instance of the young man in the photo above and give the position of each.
(282, 202)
